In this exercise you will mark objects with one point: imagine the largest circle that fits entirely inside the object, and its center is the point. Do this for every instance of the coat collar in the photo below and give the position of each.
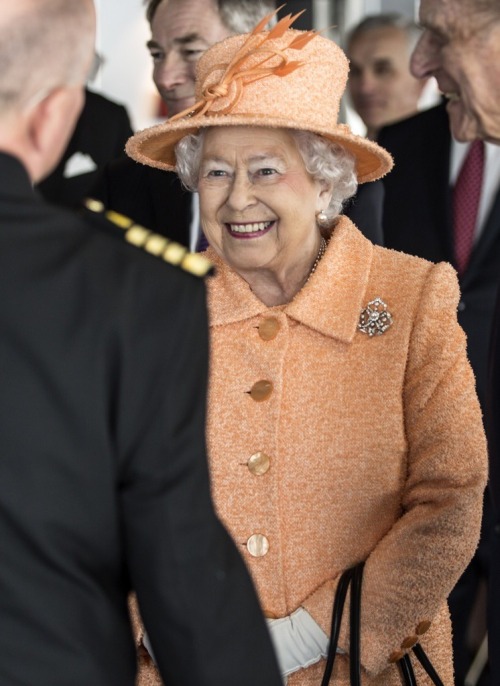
(329, 303)
(15, 179)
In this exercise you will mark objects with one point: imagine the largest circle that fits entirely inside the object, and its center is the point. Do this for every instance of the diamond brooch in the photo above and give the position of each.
(375, 319)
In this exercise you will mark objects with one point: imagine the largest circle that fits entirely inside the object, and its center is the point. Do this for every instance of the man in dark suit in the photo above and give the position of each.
(101, 132)
(104, 484)
(493, 432)
(181, 30)
(460, 47)
(380, 86)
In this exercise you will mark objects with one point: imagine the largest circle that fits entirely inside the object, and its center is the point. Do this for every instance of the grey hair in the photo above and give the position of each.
(44, 44)
(326, 162)
(239, 16)
(388, 20)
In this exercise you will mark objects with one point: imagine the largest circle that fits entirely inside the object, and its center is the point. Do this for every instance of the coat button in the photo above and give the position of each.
(461, 306)
(259, 463)
(396, 655)
(258, 545)
(422, 627)
(409, 642)
(268, 328)
(261, 390)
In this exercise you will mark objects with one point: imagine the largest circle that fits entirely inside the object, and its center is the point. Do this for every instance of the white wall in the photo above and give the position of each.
(122, 33)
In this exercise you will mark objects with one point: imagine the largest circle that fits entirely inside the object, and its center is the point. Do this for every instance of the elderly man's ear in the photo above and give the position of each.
(49, 123)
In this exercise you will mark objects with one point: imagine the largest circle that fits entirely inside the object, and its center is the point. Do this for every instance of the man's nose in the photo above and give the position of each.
(171, 72)
(367, 83)
(424, 60)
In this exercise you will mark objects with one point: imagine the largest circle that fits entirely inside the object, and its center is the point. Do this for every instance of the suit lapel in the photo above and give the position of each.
(490, 233)
(439, 181)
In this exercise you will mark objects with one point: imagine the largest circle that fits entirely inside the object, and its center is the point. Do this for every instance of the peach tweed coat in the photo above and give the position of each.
(375, 448)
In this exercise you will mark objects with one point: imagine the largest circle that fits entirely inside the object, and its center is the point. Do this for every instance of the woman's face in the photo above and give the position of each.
(257, 201)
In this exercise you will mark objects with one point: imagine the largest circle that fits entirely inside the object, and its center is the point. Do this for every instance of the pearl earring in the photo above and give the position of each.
(321, 217)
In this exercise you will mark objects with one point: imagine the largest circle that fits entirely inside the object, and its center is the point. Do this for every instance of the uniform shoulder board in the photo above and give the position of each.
(153, 243)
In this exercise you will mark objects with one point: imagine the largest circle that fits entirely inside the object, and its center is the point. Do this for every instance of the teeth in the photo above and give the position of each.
(453, 96)
(249, 228)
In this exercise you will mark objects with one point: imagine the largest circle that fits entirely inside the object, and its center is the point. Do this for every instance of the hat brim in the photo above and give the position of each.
(155, 146)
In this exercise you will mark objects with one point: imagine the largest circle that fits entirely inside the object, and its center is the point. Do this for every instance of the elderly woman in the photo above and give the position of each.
(343, 423)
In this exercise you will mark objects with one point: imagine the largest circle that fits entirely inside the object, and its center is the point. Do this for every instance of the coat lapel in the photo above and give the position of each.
(333, 299)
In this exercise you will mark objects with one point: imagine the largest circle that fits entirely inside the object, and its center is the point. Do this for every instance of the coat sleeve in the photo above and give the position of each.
(411, 571)
(196, 598)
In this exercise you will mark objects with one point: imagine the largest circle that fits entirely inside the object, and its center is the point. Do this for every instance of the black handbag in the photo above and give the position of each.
(352, 578)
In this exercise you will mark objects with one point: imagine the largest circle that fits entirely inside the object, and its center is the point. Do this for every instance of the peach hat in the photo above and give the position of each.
(280, 78)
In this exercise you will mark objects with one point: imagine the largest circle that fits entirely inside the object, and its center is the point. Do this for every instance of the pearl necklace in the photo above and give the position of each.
(321, 252)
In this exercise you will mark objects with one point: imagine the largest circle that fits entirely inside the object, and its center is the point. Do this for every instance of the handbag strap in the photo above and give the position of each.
(353, 578)
(421, 656)
(338, 609)
(407, 672)
(355, 626)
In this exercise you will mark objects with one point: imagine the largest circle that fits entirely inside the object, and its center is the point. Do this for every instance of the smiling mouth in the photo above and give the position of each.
(249, 230)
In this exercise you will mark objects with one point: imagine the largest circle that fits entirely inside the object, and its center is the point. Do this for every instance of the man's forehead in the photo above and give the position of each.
(183, 21)
(449, 18)
(193, 11)
(380, 42)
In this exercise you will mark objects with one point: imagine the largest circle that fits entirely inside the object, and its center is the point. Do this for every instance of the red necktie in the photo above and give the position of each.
(466, 197)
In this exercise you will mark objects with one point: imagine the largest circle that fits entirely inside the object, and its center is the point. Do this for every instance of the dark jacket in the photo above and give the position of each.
(417, 219)
(99, 137)
(493, 431)
(104, 485)
(152, 197)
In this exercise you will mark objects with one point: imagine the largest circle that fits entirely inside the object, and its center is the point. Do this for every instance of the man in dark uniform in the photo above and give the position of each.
(103, 475)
